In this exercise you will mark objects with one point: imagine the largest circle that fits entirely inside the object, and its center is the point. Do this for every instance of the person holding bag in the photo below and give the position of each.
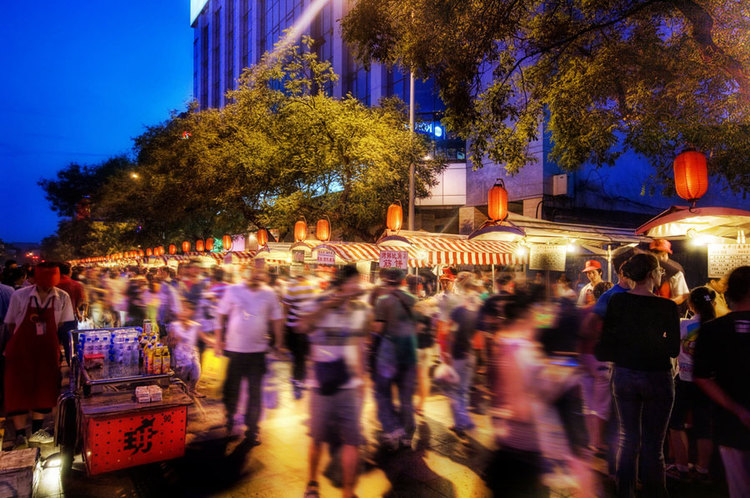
(396, 360)
(337, 326)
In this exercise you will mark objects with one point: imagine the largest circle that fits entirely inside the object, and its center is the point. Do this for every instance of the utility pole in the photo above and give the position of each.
(412, 166)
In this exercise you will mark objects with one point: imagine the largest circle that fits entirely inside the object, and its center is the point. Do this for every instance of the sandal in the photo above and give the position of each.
(312, 490)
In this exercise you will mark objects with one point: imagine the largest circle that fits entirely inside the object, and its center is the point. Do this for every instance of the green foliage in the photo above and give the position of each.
(644, 75)
(280, 149)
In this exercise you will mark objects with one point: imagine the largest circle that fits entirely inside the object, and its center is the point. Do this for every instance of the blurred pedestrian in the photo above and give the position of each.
(396, 360)
(245, 314)
(641, 332)
(689, 399)
(720, 369)
(337, 325)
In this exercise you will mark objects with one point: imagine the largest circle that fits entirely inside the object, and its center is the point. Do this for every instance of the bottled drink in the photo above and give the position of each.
(166, 360)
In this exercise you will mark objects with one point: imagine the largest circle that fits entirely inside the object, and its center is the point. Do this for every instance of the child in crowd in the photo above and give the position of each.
(183, 337)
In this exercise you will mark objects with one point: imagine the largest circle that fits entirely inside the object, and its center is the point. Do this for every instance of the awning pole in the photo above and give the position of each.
(493, 277)
(609, 263)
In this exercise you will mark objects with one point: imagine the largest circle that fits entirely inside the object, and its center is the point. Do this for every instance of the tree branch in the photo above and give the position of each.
(702, 24)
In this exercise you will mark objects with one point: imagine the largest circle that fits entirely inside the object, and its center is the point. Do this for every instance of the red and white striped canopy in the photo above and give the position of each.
(351, 252)
(433, 250)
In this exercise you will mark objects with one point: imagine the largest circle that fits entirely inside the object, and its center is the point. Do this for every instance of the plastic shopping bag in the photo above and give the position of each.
(213, 371)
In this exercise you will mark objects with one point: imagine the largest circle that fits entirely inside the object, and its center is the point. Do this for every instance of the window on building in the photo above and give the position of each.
(216, 60)
(196, 62)
(321, 31)
(204, 68)
(229, 50)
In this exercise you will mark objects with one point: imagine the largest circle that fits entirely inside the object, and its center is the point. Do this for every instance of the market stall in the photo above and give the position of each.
(123, 407)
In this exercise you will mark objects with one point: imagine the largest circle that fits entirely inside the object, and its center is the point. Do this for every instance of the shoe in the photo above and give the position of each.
(41, 437)
(458, 432)
(405, 442)
(678, 475)
(252, 438)
(312, 490)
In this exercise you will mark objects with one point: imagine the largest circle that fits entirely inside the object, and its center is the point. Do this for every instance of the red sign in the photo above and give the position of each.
(117, 442)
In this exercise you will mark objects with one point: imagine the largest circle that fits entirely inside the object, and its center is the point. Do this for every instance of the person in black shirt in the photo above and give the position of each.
(641, 332)
(720, 369)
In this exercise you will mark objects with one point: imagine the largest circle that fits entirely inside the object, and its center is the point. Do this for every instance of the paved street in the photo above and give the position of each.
(439, 465)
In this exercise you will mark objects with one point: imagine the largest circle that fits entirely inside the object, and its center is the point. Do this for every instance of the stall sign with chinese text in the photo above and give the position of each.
(394, 259)
(547, 257)
(723, 258)
(326, 257)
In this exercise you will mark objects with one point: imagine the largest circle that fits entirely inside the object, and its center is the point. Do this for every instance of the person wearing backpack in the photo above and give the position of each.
(396, 360)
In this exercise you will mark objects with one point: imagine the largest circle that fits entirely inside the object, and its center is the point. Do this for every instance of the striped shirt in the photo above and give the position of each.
(298, 294)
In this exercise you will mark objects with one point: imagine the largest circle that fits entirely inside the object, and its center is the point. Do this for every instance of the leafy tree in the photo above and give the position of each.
(652, 76)
(77, 183)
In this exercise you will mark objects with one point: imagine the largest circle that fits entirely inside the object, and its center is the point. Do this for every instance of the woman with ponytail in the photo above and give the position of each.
(688, 397)
(641, 332)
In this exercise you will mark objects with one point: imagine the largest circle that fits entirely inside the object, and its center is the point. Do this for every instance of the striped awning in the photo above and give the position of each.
(352, 252)
(434, 250)
(239, 256)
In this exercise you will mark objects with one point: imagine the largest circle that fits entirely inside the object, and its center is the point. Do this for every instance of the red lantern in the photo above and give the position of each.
(300, 231)
(262, 237)
(226, 241)
(186, 246)
(172, 249)
(497, 202)
(149, 252)
(690, 175)
(210, 244)
(395, 218)
(323, 230)
(199, 246)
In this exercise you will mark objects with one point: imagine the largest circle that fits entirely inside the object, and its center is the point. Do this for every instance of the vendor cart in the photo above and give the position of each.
(100, 416)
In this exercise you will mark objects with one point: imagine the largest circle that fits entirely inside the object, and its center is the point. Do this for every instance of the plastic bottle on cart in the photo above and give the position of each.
(157, 360)
(166, 360)
(147, 327)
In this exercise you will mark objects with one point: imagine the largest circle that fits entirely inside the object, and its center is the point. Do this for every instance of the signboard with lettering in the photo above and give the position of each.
(394, 259)
(116, 442)
(723, 258)
(547, 257)
(298, 256)
(326, 257)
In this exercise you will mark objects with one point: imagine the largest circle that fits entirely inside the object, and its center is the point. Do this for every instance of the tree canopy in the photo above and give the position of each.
(651, 76)
(281, 148)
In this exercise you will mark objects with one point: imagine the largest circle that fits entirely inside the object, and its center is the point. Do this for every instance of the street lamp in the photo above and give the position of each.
(134, 175)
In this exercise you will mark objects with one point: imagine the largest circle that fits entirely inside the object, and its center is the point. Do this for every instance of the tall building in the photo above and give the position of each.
(230, 35)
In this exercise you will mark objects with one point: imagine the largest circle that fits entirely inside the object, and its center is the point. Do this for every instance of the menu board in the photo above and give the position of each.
(394, 259)
(547, 257)
(723, 258)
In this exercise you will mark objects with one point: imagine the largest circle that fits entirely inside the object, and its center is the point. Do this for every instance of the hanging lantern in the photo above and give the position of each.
(141, 253)
(690, 175)
(497, 202)
(300, 231)
(262, 237)
(210, 244)
(172, 249)
(323, 230)
(186, 246)
(149, 252)
(226, 242)
(199, 245)
(395, 217)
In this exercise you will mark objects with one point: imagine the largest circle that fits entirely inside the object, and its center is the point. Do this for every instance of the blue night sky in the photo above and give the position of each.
(79, 81)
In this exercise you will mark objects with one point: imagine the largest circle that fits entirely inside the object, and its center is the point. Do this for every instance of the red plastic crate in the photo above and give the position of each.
(116, 442)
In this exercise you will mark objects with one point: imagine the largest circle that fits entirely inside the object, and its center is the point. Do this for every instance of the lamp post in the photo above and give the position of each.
(412, 167)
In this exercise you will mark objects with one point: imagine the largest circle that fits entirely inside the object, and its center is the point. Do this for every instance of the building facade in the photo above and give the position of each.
(230, 35)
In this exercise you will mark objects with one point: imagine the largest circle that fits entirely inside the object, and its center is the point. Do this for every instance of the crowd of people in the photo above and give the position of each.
(555, 368)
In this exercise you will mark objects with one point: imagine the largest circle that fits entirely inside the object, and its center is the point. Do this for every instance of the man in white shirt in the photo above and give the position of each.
(593, 271)
(673, 284)
(244, 314)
